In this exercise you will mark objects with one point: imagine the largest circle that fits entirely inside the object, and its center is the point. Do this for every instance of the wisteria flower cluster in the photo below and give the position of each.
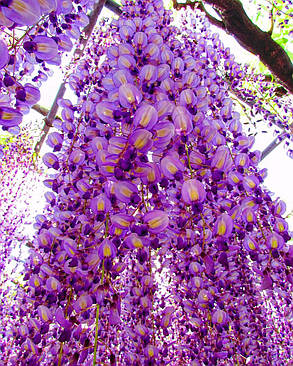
(34, 34)
(160, 245)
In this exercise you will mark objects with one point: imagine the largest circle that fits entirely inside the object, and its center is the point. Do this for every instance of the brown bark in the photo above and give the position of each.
(252, 38)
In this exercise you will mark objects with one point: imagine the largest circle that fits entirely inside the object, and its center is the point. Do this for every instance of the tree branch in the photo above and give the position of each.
(253, 39)
(236, 22)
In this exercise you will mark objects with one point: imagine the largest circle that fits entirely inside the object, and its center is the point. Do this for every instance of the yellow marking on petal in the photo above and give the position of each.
(44, 315)
(139, 169)
(235, 178)
(196, 324)
(152, 51)
(33, 348)
(83, 188)
(144, 303)
(36, 282)
(166, 321)
(107, 251)
(44, 240)
(205, 297)
(251, 183)
(197, 282)
(220, 317)
(148, 74)
(151, 352)
(122, 79)
(145, 119)
(118, 268)
(108, 113)
(61, 258)
(7, 116)
(281, 227)
(110, 169)
(101, 205)
(250, 217)
(43, 47)
(274, 243)
(19, 6)
(126, 63)
(162, 132)
(188, 98)
(123, 222)
(129, 96)
(221, 228)
(220, 163)
(137, 243)
(242, 161)
(154, 223)
(141, 331)
(172, 168)
(193, 194)
(72, 252)
(67, 114)
(82, 303)
(140, 142)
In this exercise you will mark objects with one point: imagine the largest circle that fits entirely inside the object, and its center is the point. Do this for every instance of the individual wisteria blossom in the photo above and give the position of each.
(159, 244)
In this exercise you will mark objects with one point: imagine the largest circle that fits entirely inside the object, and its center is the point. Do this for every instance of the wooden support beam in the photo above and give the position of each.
(113, 6)
(271, 147)
(50, 118)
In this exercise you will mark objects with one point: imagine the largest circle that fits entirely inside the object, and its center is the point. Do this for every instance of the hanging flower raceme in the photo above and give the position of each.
(159, 245)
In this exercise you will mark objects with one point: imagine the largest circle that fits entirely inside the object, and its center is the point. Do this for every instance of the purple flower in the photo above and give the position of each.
(107, 249)
(170, 165)
(77, 157)
(101, 203)
(250, 244)
(9, 117)
(83, 302)
(129, 95)
(219, 317)
(223, 225)
(105, 111)
(125, 191)
(182, 120)
(145, 116)
(222, 159)
(52, 284)
(156, 220)
(141, 139)
(23, 12)
(44, 313)
(133, 241)
(151, 351)
(275, 241)
(193, 191)
(51, 161)
(45, 48)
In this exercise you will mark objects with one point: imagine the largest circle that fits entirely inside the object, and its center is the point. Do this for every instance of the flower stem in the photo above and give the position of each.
(97, 320)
